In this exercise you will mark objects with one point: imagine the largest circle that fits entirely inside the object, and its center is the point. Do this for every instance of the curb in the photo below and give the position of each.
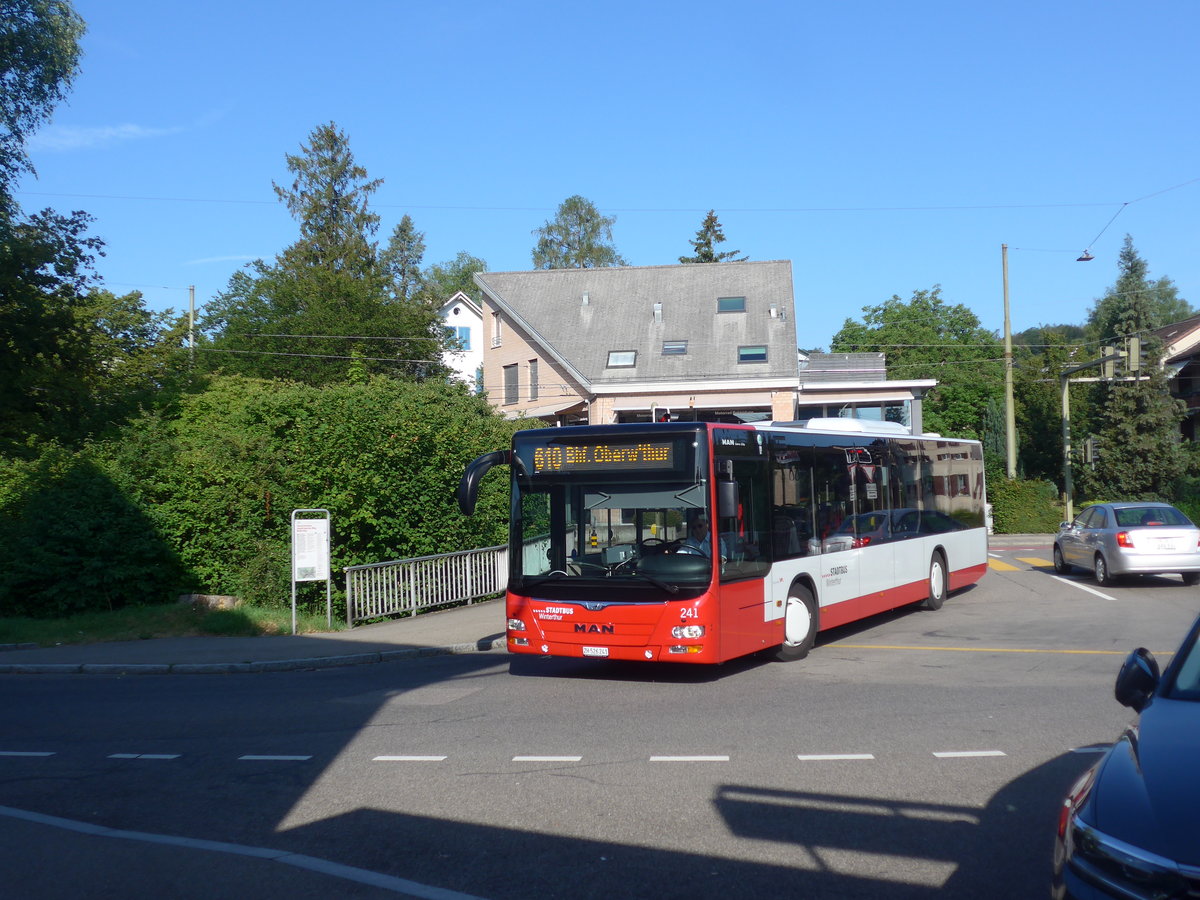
(231, 668)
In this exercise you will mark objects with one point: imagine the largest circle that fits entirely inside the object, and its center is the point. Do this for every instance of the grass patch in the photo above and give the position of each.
(146, 622)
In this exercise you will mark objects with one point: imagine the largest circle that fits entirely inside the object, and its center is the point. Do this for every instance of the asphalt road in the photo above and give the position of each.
(916, 755)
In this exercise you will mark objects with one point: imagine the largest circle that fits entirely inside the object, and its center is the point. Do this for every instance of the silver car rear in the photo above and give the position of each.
(1112, 539)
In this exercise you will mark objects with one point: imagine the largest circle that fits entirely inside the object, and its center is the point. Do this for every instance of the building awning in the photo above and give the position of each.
(717, 401)
(812, 395)
(548, 411)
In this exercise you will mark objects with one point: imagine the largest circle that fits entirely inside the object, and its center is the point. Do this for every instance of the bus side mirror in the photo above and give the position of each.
(468, 487)
(727, 499)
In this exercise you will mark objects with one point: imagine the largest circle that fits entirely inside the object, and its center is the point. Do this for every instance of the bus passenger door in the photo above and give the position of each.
(836, 499)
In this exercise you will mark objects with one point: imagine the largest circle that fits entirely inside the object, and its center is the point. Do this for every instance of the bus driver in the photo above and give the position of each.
(699, 540)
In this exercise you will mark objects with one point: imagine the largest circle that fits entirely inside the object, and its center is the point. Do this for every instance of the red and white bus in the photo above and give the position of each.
(701, 542)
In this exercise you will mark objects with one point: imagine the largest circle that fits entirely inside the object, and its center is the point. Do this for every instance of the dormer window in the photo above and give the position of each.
(731, 304)
(622, 359)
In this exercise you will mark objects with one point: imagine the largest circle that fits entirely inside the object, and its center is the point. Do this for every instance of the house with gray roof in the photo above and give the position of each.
(1181, 362)
(706, 342)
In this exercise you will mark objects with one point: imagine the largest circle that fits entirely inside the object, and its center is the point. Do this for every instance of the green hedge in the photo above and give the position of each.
(72, 541)
(1024, 507)
(203, 500)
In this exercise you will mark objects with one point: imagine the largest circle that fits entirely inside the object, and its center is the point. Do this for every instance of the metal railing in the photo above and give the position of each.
(423, 582)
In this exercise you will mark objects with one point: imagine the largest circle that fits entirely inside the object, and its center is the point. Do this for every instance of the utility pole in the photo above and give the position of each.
(1010, 421)
(191, 326)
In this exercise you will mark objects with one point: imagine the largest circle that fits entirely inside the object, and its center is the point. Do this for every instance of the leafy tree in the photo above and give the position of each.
(443, 280)
(39, 58)
(327, 309)
(136, 358)
(927, 338)
(45, 270)
(577, 238)
(45, 259)
(707, 238)
(1157, 303)
(329, 197)
(1138, 421)
(993, 429)
(401, 261)
(1036, 393)
(1040, 334)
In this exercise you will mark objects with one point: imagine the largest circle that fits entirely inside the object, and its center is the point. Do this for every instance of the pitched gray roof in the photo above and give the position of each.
(583, 314)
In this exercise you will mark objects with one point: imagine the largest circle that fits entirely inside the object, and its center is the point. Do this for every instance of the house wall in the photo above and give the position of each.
(513, 347)
(465, 363)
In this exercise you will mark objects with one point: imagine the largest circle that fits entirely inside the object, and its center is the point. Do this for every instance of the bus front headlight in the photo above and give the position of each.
(687, 631)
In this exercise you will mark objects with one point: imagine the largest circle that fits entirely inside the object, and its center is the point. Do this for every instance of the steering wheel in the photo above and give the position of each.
(653, 546)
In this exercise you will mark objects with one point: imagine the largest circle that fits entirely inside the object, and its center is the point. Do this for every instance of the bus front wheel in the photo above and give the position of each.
(800, 623)
(937, 583)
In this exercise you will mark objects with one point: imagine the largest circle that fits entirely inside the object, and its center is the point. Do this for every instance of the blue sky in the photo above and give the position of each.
(882, 147)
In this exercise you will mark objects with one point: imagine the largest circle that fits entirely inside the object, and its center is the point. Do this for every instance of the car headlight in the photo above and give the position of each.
(1121, 868)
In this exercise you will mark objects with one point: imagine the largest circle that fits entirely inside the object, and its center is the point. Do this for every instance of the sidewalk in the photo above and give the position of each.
(465, 629)
(1024, 541)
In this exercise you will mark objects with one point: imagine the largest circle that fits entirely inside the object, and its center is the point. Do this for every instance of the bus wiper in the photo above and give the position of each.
(533, 581)
(658, 583)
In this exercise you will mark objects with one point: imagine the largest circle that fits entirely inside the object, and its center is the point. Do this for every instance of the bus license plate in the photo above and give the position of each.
(595, 651)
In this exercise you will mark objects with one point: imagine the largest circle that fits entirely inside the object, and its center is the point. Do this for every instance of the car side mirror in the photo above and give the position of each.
(1063, 526)
(1138, 679)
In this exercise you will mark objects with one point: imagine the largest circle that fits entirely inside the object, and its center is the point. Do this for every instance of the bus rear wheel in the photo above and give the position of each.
(937, 583)
(800, 622)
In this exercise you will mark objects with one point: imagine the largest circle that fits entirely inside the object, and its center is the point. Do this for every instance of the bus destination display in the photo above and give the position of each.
(603, 457)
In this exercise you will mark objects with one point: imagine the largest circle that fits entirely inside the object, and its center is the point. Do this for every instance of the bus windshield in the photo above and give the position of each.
(589, 510)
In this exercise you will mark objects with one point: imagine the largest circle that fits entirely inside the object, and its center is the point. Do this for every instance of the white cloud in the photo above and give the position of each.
(64, 137)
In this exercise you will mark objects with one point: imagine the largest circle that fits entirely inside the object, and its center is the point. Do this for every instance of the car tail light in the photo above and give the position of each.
(861, 542)
(1124, 540)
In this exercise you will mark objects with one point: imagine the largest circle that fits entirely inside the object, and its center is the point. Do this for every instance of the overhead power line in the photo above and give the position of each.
(386, 359)
(634, 209)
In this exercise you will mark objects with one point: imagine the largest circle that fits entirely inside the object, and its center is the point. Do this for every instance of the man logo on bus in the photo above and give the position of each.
(595, 629)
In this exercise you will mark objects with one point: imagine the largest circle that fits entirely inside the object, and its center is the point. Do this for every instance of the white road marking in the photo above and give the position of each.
(1082, 587)
(409, 759)
(25, 753)
(689, 759)
(255, 757)
(143, 756)
(401, 886)
(547, 758)
(814, 757)
(967, 754)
